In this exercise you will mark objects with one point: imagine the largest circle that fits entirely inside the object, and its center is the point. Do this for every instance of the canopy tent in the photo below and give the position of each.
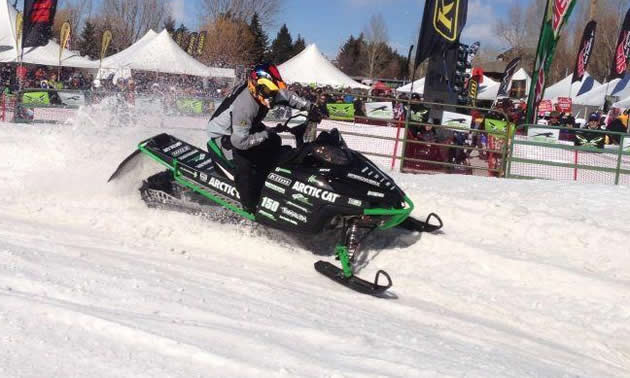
(597, 95)
(483, 94)
(418, 87)
(565, 88)
(45, 55)
(623, 104)
(127, 54)
(311, 67)
(159, 53)
(8, 17)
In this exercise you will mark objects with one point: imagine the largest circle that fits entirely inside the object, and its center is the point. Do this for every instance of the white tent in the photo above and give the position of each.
(311, 67)
(45, 55)
(418, 87)
(127, 54)
(159, 53)
(8, 16)
(564, 88)
(483, 94)
(623, 104)
(597, 95)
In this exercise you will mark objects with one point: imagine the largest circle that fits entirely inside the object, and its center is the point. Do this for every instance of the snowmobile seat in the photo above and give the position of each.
(221, 162)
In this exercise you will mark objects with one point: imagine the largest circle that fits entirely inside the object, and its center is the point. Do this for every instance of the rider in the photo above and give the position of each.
(236, 126)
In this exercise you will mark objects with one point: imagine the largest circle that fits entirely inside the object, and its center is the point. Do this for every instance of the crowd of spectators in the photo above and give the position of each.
(14, 77)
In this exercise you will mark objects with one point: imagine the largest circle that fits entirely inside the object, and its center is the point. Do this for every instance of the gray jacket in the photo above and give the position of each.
(242, 120)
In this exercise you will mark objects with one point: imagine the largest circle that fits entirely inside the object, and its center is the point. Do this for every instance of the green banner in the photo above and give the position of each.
(495, 126)
(35, 98)
(190, 105)
(341, 112)
(556, 14)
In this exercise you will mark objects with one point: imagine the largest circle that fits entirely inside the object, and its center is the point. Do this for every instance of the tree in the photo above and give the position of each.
(131, 19)
(299, 45)
(228, 44)
(350, 59)
(282, 46)
(376, 43)
(88, 43)
(261, 40)
(73, 11)
(242, 10)
(169, 24)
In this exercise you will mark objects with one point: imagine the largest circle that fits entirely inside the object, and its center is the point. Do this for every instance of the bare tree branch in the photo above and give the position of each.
(376, 39)
(242, 9)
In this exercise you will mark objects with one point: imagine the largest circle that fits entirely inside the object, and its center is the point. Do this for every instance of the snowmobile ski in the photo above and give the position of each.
(415, 225)
(353, 282)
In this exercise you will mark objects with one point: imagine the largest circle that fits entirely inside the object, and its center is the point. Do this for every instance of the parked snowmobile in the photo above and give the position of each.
(320, 185)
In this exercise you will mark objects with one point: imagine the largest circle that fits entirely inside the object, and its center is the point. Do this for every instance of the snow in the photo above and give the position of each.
(529, 279)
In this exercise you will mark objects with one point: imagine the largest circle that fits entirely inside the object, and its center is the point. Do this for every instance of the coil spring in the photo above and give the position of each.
(353, 238)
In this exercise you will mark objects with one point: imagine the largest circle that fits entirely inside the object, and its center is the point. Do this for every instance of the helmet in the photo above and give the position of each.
(264, 82)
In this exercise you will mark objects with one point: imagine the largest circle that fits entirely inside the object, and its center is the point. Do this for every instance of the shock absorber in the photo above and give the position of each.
(353, 238)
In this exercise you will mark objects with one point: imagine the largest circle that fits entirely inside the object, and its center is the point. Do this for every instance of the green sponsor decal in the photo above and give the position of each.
(190, 105)
(495, 126)
(36, 98)
(342, 112)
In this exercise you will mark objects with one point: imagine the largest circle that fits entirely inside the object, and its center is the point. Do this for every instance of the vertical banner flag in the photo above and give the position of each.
(442, 23)
(584, 53)
(202, 42)
(64, 38)
(105, 42)
(19, 24)
(622, 50)
(556, 14)
(192, 42)
(179, 38)
(506, 78)
(38, 20)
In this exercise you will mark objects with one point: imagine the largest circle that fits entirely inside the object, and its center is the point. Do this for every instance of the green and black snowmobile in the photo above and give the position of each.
(321, 185)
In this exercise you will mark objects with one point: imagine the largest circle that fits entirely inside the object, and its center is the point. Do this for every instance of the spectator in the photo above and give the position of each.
(589, 138)
(53, 83)
(619, 125)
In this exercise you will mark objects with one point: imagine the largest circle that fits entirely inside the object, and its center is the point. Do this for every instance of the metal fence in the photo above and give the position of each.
(454, 149)
(560, 153)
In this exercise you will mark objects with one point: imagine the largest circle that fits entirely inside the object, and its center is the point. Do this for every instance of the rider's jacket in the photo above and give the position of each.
(240, 116)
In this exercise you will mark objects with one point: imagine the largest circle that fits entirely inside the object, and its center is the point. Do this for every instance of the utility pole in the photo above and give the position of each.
(593, 7)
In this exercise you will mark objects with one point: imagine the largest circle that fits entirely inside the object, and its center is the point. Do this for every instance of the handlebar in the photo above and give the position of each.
(304, 133)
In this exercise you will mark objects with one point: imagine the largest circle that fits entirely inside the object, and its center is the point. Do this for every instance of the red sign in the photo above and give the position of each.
(564, 104)
(544, 107)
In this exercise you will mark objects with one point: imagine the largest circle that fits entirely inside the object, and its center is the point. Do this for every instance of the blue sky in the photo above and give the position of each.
(328, 23)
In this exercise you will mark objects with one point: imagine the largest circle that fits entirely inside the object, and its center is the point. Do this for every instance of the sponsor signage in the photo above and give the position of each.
(314, 192)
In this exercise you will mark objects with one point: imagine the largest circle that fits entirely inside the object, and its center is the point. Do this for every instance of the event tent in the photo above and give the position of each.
(484, 92)
(564, 88)
(623, 104)
(597, 95)
(45, 55)
(418, 87)
(311, 67)
(159, 53)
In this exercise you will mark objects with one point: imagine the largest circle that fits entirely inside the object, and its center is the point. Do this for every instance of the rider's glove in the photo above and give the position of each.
(279, 128)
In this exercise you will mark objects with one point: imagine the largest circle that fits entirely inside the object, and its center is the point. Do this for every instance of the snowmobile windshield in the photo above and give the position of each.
(331, 148)
(331, 155)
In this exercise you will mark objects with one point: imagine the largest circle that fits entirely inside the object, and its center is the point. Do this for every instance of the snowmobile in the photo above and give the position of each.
(320, 185)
